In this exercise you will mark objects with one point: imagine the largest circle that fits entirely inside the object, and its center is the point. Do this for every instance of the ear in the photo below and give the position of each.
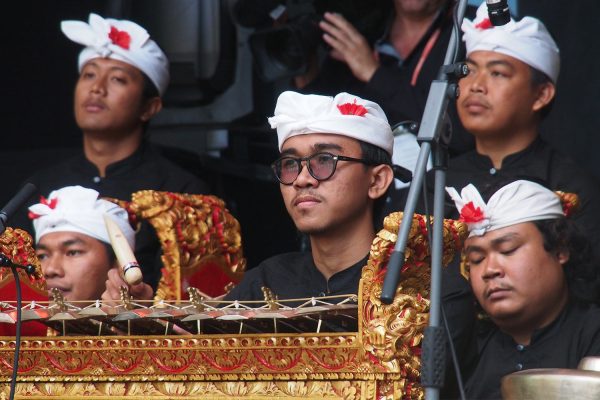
(545, 94)
(381, 177)
(563, 257)
(151, 108)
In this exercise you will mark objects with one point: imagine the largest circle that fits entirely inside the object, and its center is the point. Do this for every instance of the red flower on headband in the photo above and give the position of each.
(120, 38)
(352, 109)
(484, 24)
(471, 214)
(51, 204)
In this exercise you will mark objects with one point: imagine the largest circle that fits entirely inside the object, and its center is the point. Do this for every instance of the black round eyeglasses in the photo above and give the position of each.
(321, 166)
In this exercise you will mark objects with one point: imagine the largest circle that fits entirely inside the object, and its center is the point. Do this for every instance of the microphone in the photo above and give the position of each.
(404, 174)
(29, 269)
(498, 12)
(15, 203)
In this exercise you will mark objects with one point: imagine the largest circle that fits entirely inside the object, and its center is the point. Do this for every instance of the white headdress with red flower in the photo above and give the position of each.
(344, 114)
(527, 40)
(517, 202)
(121, 40)
(78, 209)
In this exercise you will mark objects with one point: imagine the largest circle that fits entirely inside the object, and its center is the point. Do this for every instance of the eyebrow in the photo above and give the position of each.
(494, 243)
(111, 68)
(66, 243)
(491, 63)
(317, 147)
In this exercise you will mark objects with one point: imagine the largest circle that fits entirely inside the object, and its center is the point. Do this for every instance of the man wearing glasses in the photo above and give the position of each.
(334, 170)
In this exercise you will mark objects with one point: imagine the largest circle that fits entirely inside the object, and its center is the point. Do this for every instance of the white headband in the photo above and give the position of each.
(344, 114)
(527, 40)
(78, 209)
(517, 202)
(120, 40)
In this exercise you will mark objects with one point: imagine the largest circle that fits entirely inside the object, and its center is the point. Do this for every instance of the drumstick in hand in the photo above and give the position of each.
(131, 269)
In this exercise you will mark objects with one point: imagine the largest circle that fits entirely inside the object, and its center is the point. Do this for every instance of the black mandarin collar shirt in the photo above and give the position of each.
(145, 169)
(574, 334)
(295, 275)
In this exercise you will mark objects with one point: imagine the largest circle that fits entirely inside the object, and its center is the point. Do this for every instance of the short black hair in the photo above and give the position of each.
(539, 78)
(150, 90)
(375, 155)
(110, 253)
(581, 272)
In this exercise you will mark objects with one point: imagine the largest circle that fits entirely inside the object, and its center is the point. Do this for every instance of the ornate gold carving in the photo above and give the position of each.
(380, 361)
(195, 231)
(17, 245)
(339, 390)
(392, 333)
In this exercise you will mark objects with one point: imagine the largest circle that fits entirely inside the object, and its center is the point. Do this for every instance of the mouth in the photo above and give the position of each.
(475, 106)
(496, 293)
(306, 201)
(93, 106)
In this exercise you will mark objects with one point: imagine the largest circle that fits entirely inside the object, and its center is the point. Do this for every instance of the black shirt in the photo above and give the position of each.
(540, 161)
(574, 335)
(145, 169)
(293, 276)
(401, 86)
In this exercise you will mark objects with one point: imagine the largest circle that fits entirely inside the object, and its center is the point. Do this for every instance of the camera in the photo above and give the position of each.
(284, 49)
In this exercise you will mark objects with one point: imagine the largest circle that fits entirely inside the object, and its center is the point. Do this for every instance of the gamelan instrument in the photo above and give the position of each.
(186, 345)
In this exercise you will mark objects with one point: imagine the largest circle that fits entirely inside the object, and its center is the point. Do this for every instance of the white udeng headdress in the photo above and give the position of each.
(344, 114)
(517, 202)
(120, 40)
(78, 209)
(527, 40)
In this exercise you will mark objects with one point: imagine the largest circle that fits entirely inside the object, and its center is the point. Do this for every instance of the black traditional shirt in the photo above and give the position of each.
(540, 161)
(293, 276)
(145, 169)
(574, 335)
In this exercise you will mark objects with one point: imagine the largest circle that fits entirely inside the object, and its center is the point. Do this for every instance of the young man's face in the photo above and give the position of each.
(340, 202)
(497, 98)
(108, 97)
(515, 280)
(74, 263)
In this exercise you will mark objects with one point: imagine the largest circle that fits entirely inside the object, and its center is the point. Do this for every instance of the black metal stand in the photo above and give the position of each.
(431, 136)
(30, 269)
(9, 209)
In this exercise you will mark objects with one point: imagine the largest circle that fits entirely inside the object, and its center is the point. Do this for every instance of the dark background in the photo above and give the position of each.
(39, 70)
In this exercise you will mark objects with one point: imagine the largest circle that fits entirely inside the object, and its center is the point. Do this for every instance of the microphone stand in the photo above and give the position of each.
(30, 270)
(431, 136)
(15, 203)
(13, 380)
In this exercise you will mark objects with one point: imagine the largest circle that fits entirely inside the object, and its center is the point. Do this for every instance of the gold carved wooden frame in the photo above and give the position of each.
(379, 361)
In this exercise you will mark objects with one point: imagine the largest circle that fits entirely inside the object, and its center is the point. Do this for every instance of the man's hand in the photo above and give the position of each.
(112, 294)
(349, 46)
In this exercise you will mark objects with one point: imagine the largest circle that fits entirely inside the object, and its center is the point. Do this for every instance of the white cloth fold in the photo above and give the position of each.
(120, 40)
(344, 114)
(78, 209)
(527, 40)
(517, 202)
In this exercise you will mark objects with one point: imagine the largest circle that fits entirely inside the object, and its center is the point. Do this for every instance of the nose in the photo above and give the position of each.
(492, 268)
(304, 178)
(477, 83)
(99, 86)
(52, 267)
